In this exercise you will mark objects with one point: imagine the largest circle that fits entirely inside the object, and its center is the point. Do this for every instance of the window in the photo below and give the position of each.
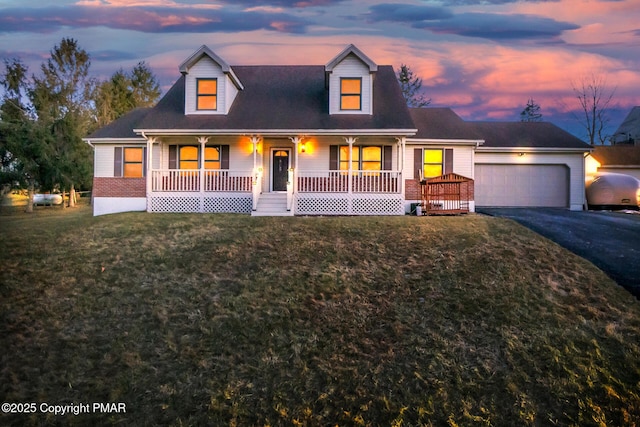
(212, 158)
(362, 158)
(189, 157)
(132, 163)
(432, 163)
(129, 162)
(207, 94)
(350, 94)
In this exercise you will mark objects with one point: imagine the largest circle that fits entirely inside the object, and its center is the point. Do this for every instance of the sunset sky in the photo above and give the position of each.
(483, 58)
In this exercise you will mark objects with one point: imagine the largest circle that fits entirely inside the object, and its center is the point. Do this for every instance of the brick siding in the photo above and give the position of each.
(119, 187)
(412, 189)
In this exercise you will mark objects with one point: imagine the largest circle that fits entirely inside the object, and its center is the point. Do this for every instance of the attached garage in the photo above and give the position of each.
(522, 185)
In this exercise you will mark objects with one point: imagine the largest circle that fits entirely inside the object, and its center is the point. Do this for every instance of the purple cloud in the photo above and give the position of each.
(282, 3)
(407, 13)
(499, 27)
(147, 19)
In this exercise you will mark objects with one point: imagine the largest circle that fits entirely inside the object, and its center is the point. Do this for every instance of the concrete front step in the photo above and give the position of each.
(272, 204)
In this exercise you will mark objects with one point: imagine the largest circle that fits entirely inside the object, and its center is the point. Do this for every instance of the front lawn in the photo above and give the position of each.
(232, 320)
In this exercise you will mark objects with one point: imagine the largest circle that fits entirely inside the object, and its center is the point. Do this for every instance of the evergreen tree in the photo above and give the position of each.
(411, 85)
(62, 101)
(124, 92)
(25, 146)
(531, 112)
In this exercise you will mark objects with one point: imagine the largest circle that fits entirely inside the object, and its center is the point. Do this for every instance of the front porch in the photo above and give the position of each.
(327, 192)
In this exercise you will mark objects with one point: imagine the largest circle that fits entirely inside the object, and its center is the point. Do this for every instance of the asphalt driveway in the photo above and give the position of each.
(610, 240)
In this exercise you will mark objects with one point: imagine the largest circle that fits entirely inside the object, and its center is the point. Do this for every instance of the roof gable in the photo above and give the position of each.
(205, 51)
(351, 50)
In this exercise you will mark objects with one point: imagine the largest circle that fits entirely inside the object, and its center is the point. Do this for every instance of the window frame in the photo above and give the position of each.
(344, 95)
(119, 162)
(357, 158)
(202, 96)
(425, 163)
(175, 160)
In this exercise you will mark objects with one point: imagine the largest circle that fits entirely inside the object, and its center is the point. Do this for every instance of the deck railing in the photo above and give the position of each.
(190, 180)
(361, 181)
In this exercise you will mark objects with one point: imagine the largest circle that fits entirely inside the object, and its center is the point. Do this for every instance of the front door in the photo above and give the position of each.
(280, 169)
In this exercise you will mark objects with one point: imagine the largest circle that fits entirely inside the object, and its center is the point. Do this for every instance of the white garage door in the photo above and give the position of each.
(521, 185)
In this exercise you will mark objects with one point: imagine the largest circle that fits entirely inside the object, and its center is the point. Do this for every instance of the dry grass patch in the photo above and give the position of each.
(232, 320)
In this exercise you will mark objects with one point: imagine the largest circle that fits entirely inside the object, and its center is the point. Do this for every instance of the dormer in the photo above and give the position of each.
(210, 83)
(350, 78)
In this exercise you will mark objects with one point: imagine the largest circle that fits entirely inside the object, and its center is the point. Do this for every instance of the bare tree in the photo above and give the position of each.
(595, 98)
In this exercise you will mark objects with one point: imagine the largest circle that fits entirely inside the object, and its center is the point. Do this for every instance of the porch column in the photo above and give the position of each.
(150, 141)
(256, 178)
(350, 140)
(296, 141)
(203, 142)
(402, 143)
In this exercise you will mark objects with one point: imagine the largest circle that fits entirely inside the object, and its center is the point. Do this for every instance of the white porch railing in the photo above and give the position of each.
(361, 181)
(189, 180)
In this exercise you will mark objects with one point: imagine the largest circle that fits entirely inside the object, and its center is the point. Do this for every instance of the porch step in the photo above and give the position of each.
(272, 204)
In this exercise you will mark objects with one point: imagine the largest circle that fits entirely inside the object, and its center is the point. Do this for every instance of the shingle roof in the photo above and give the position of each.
(441, 123)
(122, 127)
(617, 155)
(525, 135)
(294, 98)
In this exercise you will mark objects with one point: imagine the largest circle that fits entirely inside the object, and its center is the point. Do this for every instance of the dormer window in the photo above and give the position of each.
(351, 94)
(207, 94)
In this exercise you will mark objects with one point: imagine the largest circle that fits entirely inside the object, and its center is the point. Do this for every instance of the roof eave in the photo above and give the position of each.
(534, 149)
(279, 132)
(442, 141)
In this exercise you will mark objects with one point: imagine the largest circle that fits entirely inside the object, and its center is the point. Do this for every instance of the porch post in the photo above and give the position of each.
(203, 142)
(350, 140)
(150, 141)
(402, 142)
(256, 178)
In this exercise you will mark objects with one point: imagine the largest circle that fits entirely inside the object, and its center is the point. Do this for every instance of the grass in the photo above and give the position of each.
(232, 320)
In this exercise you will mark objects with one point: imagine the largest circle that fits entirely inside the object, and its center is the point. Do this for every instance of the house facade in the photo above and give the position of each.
(336, 139)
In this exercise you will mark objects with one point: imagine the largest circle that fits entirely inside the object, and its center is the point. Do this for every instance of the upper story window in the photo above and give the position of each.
(207, 94)
(350, 93)
(132, 162)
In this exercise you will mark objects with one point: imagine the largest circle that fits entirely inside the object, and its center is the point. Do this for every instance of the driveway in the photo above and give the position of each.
(610, 240)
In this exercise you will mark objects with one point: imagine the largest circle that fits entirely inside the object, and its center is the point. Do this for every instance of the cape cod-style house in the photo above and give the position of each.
(334, 139)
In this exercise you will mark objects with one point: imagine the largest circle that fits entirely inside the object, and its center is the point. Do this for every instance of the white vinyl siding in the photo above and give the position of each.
(206, 68)
(351, 67)
(574, 164)
(104, 158)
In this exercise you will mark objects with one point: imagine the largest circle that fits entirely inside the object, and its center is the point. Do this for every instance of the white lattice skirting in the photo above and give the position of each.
(220, 203)
(343, 204)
